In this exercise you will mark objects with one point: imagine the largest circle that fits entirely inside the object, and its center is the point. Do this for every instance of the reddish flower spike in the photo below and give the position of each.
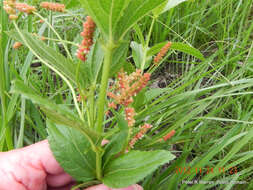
(57, 7)
(129, 116)
(23, 7)
(87, 42)
(17, 45)
(169, 135)
(143, 130)
(162, 53)
(128, 86)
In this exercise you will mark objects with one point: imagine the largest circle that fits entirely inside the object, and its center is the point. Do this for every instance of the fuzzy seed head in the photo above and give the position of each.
(143, 130)
(87, 34)
(17, 45)
(169, 135)
(162, 53)
(57, 7)
(23, 7)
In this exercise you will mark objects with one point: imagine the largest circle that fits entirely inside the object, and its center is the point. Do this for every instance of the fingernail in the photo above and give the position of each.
(137, 187)
(104, 142)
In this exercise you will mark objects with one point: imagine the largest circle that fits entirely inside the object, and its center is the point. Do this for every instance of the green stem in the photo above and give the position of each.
(91, 102)
(22, 124)
(147, 44)
(104, 82)
(98, 165)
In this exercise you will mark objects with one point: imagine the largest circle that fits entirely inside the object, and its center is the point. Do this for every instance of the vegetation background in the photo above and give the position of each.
(208, 103)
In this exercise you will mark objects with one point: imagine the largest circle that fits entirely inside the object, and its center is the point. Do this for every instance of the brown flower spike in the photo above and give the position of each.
(143, 130)
(168, 136)
(57, 7)
(128, 86)
(87, 34)
(17, 45)
(9, 7)
(162, 53)
(125, 87)
(23, 7)
(129, 116)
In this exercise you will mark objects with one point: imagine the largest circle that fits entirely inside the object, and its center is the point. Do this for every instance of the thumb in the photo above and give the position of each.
(103, 187)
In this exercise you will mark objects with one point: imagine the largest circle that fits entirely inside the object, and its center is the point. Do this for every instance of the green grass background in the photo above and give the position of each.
(209, 104)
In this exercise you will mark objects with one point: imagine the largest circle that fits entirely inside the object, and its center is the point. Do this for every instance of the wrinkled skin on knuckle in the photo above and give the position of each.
(21, 171)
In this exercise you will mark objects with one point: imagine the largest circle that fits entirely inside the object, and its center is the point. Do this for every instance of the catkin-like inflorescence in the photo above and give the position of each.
(125, 87)
(128, 86)
(129, 116)
(9, 7)
(168, 136)
(57, 7)
(23, 7)
(112, 105)
(162, 53)
(17, 45)
(143, 130)
(87, 34)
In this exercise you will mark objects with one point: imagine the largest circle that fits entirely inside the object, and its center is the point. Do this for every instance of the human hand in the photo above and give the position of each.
(35, 168)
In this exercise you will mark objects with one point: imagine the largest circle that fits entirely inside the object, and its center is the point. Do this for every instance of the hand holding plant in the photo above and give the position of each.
(105, 109)
(34, 167)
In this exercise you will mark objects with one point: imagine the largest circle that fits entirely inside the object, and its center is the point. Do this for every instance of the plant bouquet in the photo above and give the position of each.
(107, 134)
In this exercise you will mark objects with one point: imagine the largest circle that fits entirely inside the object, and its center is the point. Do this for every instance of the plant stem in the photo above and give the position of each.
(91, 102)
(98, 165)
(104, 82)
(147, 44)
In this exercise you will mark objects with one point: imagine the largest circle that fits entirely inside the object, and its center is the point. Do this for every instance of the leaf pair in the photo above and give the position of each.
(70, 143)
(74, 154)
(116, 17)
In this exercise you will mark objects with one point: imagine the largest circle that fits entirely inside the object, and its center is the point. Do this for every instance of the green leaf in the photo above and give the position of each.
(95, 61)
(119, 58)
(116, 17)
(179, 47)
(129, 67)
(132, 167)
(72, 151)
(115, 146)
(58, 114)
(51, 56)
(139, 100)
(118, 142)
(167, 6)
(122, 123)
(138, 55)
(154, 93)
(71, 3)
(187, 49)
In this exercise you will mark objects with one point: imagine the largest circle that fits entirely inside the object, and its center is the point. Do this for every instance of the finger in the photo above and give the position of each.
(98, 187)
(132, 187)
(103, 187)
(7, 182)
(104, 142)
(59, 180)
(21, 169)
(67, 187)
(44, 155)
